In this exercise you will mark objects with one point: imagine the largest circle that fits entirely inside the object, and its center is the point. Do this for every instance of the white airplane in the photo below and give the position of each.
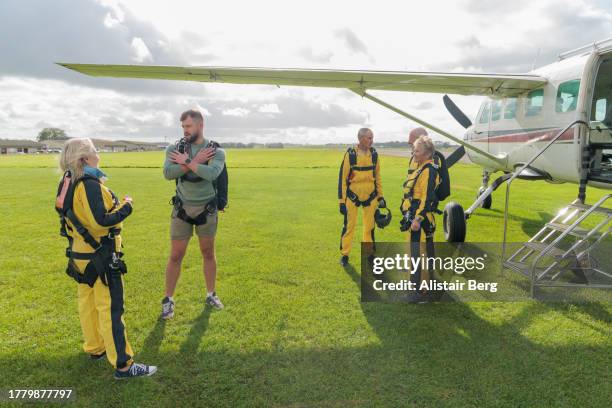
(520, 115)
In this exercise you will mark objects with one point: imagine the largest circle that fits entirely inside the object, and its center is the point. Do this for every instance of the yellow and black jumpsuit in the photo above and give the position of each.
(419, 203)
(359, 186)
(101, 306)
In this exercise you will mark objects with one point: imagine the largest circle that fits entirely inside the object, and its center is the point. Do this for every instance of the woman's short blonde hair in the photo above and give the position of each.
(427, 144)
(73, 154)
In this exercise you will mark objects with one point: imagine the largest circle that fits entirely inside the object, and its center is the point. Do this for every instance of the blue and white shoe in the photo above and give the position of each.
(167, 309)
(213, 301)
(136, 370)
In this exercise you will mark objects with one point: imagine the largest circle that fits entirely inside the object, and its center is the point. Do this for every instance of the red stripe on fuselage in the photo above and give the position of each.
(536, 135)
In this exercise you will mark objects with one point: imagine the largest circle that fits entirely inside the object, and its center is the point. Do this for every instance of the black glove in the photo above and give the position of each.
(342, 208)
(382, 203)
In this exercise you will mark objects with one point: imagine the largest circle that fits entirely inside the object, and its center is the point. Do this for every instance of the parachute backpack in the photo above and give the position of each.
(443, 189)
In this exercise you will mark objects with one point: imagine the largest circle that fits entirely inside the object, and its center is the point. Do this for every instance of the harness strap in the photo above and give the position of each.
(352, 153)
(200, 219)
(355, 199)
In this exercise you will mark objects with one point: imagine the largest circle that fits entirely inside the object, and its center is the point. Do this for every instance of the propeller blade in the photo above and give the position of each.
(455, 156)
(456, 112)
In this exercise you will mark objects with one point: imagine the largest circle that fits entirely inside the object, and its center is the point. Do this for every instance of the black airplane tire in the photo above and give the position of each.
(454, 222)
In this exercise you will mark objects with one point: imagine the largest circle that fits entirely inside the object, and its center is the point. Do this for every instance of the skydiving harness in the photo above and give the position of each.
(352, 154)
(200, 219)
(414, 204)
(105, 262)
(219, 202)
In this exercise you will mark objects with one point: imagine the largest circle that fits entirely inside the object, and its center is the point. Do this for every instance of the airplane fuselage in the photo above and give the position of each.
(578, 88)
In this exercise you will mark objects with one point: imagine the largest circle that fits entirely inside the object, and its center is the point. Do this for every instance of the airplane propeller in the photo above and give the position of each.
(456, 112)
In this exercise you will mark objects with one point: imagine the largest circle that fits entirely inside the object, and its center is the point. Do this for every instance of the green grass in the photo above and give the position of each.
(294, 332)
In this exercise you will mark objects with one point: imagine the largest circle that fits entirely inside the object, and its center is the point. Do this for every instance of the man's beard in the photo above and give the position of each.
(191, 138)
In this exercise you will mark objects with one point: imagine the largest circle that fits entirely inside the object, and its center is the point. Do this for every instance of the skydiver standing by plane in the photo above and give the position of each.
(359, 185)
(418, 206)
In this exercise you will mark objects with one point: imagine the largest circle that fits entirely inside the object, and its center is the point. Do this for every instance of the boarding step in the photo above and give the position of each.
(576, 231)
(519, 267)
(584, 207)
(523, 268)
(553, 252)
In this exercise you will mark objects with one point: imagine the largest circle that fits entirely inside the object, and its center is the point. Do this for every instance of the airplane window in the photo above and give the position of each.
(484, 114)
(600, 109)
(567, 96)
(496, 108)
(535, 100)
(510, 108)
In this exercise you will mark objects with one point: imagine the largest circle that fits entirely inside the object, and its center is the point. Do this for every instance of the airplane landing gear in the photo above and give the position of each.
(454, 222)
(485, 183)
(487, 201)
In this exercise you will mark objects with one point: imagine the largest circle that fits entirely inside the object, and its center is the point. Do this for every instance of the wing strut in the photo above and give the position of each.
(430, 126)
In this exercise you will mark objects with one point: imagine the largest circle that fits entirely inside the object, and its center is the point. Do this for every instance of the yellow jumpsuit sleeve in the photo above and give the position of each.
(97, 210)
(379, 188)
(345, 169)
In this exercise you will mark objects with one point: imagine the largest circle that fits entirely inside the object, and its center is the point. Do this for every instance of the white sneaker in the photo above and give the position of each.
(213, 300)
(167, 309)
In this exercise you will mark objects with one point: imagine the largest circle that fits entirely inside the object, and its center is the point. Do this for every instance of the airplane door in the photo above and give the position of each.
(600, 132)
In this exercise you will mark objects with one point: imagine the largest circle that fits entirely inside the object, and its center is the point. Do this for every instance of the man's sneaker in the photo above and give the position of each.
(344, 260)
(96, 357)
(167, 309)
(213, 300)
(136, 370)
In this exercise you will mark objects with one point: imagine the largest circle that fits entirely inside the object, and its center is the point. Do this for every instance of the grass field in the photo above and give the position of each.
(294, 332)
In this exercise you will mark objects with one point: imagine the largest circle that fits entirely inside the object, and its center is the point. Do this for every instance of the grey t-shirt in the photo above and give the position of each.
(198, 192)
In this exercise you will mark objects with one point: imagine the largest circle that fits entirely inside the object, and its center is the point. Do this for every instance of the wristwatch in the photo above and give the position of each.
(187, 160)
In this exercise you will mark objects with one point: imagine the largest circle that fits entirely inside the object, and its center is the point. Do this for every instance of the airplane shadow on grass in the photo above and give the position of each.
(529, 225)
(426, 355)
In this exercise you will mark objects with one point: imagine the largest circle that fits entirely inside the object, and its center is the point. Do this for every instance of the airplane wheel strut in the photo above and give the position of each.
(488, 201)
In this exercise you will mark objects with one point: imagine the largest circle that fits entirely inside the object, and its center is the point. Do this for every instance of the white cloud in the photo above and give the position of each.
(269, 108)
(240, 112)
(141, 51)
(111, 21)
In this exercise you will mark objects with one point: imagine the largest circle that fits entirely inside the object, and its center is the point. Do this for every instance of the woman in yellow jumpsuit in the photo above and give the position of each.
(418, 206)
(92, 223)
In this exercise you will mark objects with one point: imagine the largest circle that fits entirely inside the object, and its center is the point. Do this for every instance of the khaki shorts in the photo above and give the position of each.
(181, 230)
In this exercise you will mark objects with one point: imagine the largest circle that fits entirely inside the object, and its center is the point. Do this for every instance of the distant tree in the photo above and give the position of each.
(52, 134)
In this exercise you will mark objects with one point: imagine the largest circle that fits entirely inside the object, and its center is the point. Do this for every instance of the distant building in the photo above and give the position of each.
(9, 146)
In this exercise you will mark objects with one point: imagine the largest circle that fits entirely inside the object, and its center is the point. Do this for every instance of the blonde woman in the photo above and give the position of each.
(418, 205)
(92, 218)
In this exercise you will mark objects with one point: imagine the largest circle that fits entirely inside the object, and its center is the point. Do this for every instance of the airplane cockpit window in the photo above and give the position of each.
(484, 114)
(496, 108)
(567, 96)
(535, 101)
(510, 108)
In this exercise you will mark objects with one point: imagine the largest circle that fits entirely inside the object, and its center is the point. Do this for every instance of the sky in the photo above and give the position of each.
(447, 36)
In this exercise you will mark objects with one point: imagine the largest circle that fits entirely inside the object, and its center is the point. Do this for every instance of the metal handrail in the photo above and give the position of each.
(517, 173)
(565, 233)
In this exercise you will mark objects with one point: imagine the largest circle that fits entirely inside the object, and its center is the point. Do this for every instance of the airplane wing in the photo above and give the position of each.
(430, 82)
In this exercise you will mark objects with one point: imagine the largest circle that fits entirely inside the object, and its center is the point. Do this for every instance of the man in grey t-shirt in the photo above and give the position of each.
(195, 207)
